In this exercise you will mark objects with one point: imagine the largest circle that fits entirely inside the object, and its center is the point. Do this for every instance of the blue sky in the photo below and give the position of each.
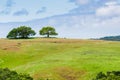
(22, 10)
(84, 18)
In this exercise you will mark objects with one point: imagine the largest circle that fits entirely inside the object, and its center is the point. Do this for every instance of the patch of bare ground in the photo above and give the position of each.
(10, 46)
(61, 73)
(43, 76)
(69, 74)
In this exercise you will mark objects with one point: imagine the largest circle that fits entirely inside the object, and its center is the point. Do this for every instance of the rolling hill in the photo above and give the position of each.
(60, 59)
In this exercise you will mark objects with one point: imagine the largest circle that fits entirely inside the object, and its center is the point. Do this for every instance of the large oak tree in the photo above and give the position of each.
(48, 30)
(21, 32)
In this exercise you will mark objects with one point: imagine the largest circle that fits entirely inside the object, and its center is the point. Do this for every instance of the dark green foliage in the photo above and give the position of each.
(6, 74)
(114, 75)
(48, 31)
(21, 32)
(111, 38)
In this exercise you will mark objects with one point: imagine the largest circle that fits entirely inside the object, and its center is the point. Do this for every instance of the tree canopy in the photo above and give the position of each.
(48, 30)
(21, 32)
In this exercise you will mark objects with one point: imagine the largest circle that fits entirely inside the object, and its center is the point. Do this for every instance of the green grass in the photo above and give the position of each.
(60, 59)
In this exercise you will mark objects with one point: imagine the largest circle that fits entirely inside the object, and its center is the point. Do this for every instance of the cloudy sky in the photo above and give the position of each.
(81, 18)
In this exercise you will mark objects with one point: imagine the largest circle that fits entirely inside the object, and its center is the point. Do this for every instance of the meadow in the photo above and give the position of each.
(60, 59)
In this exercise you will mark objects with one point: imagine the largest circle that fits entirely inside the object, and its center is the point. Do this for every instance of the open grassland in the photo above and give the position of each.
(60, 59)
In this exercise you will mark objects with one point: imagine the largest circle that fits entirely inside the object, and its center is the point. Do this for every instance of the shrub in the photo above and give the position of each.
(6, 74)
(114, 75)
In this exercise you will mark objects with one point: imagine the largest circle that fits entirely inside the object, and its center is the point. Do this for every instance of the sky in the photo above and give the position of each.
(24, 10)
(71, 18)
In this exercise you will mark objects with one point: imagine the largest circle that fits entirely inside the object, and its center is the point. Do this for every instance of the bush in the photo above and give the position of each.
(6, 74)
(114, 75)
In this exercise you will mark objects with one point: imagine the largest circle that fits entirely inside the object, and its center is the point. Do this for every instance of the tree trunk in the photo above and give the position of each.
(48, 35)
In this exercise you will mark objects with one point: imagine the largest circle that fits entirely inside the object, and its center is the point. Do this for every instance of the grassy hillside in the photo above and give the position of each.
(60, 59)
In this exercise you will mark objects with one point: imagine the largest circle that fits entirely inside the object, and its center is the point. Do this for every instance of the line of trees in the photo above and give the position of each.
(24, 32)
(111, 38)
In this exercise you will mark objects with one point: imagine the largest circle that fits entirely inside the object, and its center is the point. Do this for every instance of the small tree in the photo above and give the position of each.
(48, 31)
(21, 32)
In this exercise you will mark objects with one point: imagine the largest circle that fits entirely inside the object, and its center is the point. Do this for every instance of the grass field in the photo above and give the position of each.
(60, 59)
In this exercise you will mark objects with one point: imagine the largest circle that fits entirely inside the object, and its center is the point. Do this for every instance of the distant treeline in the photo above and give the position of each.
(111, 38)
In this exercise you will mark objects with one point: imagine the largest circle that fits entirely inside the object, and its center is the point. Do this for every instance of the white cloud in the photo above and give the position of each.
(112, 3)
(87, 26)
(110, 9)
(85, 2)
